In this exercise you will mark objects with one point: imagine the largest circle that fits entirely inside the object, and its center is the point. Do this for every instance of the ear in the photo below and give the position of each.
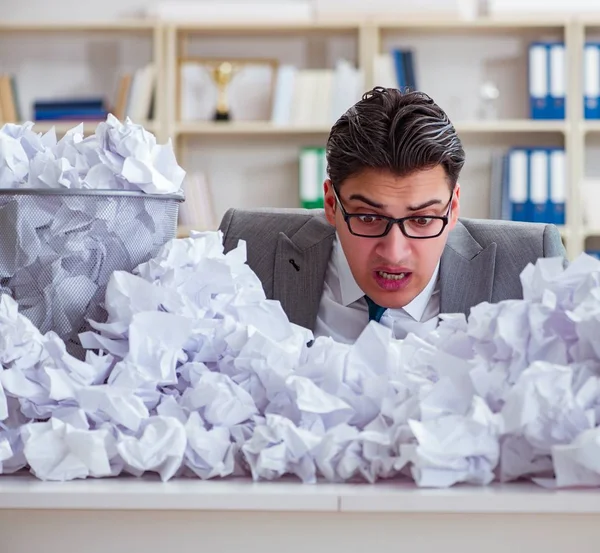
(455, 210)
(329, 201)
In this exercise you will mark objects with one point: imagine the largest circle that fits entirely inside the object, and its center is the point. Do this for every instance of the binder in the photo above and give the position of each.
(539, 185)
(539, 93)
(518, 183)
(558, 185)
(591, 80)
(399, 65)
(310, 174)
(558, 81)
(404, 69)
(409, 64)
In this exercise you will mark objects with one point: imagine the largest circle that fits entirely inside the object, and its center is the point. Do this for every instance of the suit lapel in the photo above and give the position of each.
(466, 272)
(300, 266)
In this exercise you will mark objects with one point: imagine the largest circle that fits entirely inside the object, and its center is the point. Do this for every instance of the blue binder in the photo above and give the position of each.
(518, 183)
(591, 81)
(557, 80)
(539, 179)
(558, 185)
(539, 91)
(400, 69)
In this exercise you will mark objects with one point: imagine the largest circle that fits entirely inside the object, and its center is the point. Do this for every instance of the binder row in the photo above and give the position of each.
(313, 172)
(548, 80)
(534, 185)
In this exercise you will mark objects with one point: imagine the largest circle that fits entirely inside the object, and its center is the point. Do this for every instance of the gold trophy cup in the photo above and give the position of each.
(222, 74)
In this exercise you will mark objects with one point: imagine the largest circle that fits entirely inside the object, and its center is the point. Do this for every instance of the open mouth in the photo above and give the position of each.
(392, 281)
(392, 276)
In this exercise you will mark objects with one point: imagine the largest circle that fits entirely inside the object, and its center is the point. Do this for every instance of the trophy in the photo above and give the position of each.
(222, 74)
(207, 93)
(489, 93)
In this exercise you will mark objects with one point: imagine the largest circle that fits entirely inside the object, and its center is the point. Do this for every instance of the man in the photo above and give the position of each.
(389, 245)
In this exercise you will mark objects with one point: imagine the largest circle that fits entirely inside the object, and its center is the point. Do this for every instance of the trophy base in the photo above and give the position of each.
(221, 116)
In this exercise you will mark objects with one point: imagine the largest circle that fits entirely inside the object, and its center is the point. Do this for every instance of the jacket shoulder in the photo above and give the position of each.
(528, 241)
(517, 245)
(486, 231)
(260, 225)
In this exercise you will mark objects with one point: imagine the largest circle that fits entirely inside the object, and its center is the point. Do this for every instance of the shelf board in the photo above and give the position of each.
(591, 232)
(267, 128)
(75, 26)
(247, 127)
(591, 126)
(352, 21)
(453, 22)
(510, 125)
(268, 27)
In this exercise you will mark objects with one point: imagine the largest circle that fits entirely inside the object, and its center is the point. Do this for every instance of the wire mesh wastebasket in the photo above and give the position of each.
(59, 247)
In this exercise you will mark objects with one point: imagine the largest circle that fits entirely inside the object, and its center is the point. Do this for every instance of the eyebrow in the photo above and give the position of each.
(424, 205)
(365, 200)
(377, 205)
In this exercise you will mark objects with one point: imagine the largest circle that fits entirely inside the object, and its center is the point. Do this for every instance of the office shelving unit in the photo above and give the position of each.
(252, 163)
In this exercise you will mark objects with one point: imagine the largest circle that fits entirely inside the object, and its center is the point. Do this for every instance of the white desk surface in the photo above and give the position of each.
(145, 515)
(148, 493)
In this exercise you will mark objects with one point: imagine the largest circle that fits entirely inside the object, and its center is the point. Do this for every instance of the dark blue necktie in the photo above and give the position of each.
(375, 311)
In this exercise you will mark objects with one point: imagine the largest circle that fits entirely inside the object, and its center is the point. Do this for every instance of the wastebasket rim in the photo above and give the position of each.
(86, 192)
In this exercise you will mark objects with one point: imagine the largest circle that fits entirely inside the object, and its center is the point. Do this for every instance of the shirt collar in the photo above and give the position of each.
(351, 292)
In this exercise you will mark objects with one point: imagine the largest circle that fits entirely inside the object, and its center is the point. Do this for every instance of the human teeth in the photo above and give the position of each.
(392, 276)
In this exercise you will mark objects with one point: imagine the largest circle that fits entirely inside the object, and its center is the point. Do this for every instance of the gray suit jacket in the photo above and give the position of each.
(289, 251)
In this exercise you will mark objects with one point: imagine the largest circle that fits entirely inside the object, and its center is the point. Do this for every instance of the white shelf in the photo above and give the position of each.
(591, 127)
(242, 494)
(83, 26)
(591, 232)
(246, 127)
(484, 23)
(511, 125)
(344, 24)
(267, 128)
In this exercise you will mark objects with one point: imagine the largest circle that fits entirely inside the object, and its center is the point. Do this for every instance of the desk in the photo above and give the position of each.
(130, 515)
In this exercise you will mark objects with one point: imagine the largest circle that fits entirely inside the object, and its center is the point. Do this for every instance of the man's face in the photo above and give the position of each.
(392, 270)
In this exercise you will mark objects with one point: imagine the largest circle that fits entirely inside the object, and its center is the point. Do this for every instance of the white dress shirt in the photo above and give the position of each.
(344, 314)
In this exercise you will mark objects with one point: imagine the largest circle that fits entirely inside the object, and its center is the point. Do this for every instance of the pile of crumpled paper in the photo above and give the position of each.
(201, 375)
(74, 210)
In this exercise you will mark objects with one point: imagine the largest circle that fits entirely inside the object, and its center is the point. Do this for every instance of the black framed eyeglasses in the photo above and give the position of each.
(372, 225)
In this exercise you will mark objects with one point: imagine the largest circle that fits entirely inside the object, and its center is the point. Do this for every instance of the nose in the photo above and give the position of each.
(394, 246)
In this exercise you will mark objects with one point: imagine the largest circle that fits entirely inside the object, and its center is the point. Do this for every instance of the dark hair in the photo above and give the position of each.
(401, 132)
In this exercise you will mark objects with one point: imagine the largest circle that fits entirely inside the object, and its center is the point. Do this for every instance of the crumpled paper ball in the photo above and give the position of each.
(118, 156)
(195, 373)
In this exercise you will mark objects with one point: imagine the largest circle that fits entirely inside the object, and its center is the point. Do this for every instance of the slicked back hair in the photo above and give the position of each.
(395, 131)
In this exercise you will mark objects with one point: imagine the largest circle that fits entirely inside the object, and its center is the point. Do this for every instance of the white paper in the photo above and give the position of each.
(58, 251)
(203, 376)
